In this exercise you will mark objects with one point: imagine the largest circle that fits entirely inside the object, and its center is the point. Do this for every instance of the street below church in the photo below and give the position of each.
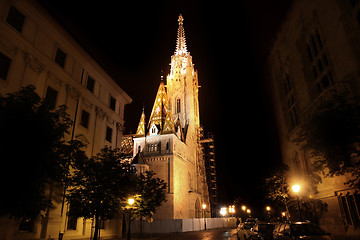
(211, 234)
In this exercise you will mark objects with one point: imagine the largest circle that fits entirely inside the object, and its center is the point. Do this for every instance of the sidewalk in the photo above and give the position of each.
(217, 233)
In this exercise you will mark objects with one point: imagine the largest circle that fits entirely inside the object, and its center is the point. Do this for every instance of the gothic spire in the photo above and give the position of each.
(141, 127)
(181, 41)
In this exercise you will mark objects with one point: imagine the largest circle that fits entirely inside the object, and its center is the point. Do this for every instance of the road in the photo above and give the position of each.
(211, 234)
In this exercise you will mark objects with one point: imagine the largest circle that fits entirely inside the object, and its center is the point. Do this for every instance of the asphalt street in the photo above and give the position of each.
(211, 234)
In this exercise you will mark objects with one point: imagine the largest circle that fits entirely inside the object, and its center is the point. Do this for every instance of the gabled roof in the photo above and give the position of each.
(161, 114)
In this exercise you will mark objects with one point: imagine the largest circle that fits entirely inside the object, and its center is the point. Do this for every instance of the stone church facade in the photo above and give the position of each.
(170, 141)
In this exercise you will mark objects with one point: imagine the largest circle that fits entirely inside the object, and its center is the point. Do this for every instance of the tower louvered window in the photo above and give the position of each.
(178, 105)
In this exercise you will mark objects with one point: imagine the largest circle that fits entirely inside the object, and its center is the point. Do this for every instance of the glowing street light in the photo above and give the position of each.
(223, 211)
(131, 201)
(232, 209)
(296, 188)
(243, 207)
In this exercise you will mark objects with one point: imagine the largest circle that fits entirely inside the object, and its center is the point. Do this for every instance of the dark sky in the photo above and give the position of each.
(227, 40)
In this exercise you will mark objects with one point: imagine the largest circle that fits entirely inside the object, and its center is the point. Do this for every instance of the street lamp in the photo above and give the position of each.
(204, 207)
(223, 211)
(296, 189)
(130, 202)
(248, 212)
(232, 210)
(268, 208)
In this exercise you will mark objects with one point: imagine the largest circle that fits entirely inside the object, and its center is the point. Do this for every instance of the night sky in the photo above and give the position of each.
(134, 41)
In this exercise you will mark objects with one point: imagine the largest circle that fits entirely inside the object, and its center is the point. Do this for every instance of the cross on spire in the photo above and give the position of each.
(181, 41)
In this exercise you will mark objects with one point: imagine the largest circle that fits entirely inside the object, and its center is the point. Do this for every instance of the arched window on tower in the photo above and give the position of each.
(178, 105)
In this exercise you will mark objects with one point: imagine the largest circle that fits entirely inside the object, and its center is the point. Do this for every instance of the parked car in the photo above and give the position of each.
(252, 220)
(262, 231)
(299, 230)
(243, 229)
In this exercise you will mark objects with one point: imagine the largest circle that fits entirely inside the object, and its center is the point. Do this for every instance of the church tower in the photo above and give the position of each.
(182, 88)
(169, 143)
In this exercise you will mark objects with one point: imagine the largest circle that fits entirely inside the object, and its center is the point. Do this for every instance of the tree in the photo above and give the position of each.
(276, 186)
(151, 193)
(332, 138)
(99, 186)
(277, 190)
(34, 156)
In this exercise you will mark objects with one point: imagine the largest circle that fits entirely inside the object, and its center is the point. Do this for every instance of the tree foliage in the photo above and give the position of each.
(99, 186)
(332, 138)
(276, 186)
(33, 152)
(151, 192)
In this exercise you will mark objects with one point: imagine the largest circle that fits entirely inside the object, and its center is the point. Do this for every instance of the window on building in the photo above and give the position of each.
(349, 205)
(27, 225)
(15, 18)
(112, 103)
(319, 64)
(60, 57)
(4, 66)
(109, 133)
(153, 147)
(72, 221)
(90, 84)
(84, 121)
(102, 224)
(290, 103)
(178, 105)
(50, 97)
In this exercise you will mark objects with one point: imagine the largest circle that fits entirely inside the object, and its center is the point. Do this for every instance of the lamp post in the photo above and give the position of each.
(248, 212)
(204, 207)
(232, 210)
(223, 211)
(296, 189)
(268, 209)
(130, 202)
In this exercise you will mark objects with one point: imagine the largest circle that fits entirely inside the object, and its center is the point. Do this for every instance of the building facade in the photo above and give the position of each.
(314, 56)
(35, 49)
(170, 141)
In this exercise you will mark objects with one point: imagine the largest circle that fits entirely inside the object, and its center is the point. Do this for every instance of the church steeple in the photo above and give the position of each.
(141, 127)
(182, 86)
(181, 41)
